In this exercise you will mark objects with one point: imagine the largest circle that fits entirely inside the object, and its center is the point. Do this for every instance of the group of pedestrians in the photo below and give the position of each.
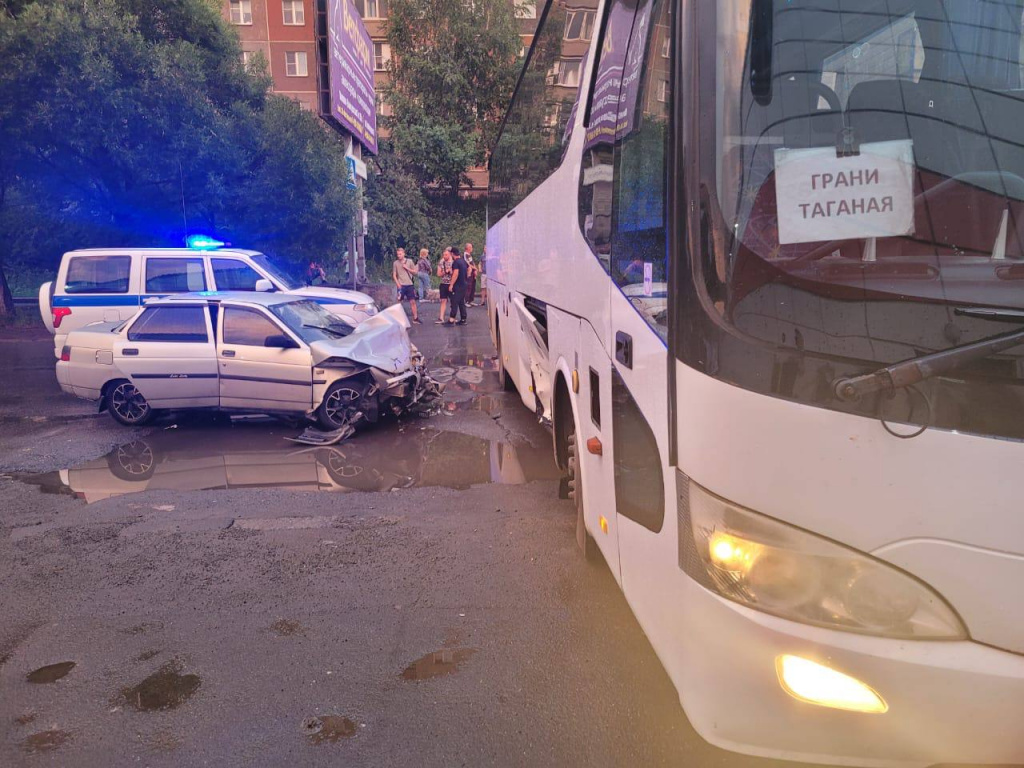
(457, 273)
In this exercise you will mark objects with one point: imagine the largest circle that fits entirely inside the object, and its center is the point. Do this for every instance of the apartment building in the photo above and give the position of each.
(283, 31)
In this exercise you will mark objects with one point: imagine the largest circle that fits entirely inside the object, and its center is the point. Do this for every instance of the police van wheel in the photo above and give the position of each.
(127, 405)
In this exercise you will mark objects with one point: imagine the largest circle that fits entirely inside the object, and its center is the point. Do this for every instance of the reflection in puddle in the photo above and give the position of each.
(166, 688)
(437, 664)
(45, 741)
(255, 456)
(51, 673)
(329, 728)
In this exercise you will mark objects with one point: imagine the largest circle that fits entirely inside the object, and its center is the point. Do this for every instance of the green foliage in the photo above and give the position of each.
(122, 119)
(453, 74)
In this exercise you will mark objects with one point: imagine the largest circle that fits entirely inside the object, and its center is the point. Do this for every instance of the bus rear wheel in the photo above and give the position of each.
(503, 378)
(584, 540)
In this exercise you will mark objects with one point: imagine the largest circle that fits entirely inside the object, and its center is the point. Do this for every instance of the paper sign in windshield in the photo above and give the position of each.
(821, 197)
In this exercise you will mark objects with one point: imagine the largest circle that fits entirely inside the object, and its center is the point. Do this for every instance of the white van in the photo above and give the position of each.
(105, 284)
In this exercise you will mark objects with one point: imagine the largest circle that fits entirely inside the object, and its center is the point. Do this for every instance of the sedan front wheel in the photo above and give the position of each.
(341, 403)
(127, 405)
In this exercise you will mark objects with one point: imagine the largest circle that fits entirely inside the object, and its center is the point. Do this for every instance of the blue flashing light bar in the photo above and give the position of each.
(203, 243)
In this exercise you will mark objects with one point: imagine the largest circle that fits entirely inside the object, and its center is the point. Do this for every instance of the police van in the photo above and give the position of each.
(110, 284)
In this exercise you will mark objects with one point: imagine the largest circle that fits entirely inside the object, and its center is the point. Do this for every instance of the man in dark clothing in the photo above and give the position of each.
(460, 280)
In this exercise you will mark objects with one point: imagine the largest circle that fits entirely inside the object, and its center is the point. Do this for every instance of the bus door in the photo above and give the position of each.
(638, 267)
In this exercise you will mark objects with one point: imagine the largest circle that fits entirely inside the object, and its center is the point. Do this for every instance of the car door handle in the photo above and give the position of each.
(624, 349)
(130, 352)
(227, 353)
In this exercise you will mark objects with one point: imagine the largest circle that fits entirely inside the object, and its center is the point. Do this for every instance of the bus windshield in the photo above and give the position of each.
(868, 174)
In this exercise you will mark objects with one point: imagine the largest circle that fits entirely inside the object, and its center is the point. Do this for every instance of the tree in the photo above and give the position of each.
(135, 121)
(451, 79)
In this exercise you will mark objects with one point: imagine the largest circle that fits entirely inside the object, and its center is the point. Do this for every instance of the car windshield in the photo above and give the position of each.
(869, 172)
(311, 321)
(286, 274)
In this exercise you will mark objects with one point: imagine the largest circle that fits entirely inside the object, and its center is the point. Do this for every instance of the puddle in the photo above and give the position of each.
(51, 673)
(45, 741)
(166, 688)
(255, 455)
(286, 628)
(146, 655)
(329, 728)
(437, 664)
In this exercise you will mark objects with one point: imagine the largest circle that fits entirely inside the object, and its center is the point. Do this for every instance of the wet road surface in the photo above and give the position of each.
(203, 592)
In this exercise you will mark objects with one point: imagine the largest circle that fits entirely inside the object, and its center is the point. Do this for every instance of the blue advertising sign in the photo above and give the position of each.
(350, 67)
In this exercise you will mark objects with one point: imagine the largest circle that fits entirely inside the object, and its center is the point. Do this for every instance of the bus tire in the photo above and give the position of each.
(584, 540)
(504, 379)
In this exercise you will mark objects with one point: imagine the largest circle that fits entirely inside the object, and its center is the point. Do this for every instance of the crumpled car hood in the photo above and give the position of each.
(381, 341)
(343, 295)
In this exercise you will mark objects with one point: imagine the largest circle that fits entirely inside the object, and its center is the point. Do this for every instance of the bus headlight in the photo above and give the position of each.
(785, 571)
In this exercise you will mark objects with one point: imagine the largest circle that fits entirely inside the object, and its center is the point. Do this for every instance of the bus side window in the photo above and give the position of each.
(596, 175)
(639, 246)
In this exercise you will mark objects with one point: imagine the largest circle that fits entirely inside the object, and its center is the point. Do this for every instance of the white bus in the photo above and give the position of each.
(758, 262)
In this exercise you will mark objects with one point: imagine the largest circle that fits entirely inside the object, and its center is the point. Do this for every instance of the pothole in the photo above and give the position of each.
(51, 673)
(166, 688)
(437, 664)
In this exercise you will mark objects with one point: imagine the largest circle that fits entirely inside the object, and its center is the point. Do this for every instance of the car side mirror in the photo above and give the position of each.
(280, 341)
(264, 286)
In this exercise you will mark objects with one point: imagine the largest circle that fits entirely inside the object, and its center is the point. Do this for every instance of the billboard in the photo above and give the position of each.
(350, 69)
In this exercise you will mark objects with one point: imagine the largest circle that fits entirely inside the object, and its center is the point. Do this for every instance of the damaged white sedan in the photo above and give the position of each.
(246, 352)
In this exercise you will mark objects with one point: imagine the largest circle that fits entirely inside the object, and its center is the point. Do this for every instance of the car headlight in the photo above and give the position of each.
(370, 309)
(770, 566)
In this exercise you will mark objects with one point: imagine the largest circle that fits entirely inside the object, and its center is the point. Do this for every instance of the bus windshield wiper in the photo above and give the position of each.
(910, 372)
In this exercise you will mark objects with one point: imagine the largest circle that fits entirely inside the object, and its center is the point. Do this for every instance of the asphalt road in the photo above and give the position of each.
(413, 598)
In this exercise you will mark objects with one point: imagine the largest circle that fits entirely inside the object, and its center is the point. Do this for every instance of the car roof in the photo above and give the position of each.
(257, 298)
(166, 251)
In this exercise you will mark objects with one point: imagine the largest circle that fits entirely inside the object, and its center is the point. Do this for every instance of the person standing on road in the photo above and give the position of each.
(459, 284)
(423, 274)
(473, 271)
(444, 272)
(403, 272)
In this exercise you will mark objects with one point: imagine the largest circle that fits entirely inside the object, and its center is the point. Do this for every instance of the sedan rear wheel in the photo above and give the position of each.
(127, 405)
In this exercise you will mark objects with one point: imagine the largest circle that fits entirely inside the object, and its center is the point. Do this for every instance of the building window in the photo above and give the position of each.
(666, 46)
(241, 12)
(566, 73)
(247, 58)
(372, 9)
(294, 13)
(526, 9)
(579, 25)
(295, 64)
(381, 56)
(663, 90)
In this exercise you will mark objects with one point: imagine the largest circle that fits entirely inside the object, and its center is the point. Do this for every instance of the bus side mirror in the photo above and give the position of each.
(264, 286)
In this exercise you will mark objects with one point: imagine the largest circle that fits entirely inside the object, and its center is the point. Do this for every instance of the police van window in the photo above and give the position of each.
(596, 173)
(177, 324)
(538, 126)
(175, 275)
(98, 274)
(248, 328)
(234, 275)
(639, 247)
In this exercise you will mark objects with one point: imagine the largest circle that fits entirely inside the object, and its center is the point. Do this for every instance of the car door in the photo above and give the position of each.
(263, 365)
(169, 354)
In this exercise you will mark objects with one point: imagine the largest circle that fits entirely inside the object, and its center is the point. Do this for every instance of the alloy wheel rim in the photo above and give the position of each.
(128, 403)
(135, 458)
(339, 402)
